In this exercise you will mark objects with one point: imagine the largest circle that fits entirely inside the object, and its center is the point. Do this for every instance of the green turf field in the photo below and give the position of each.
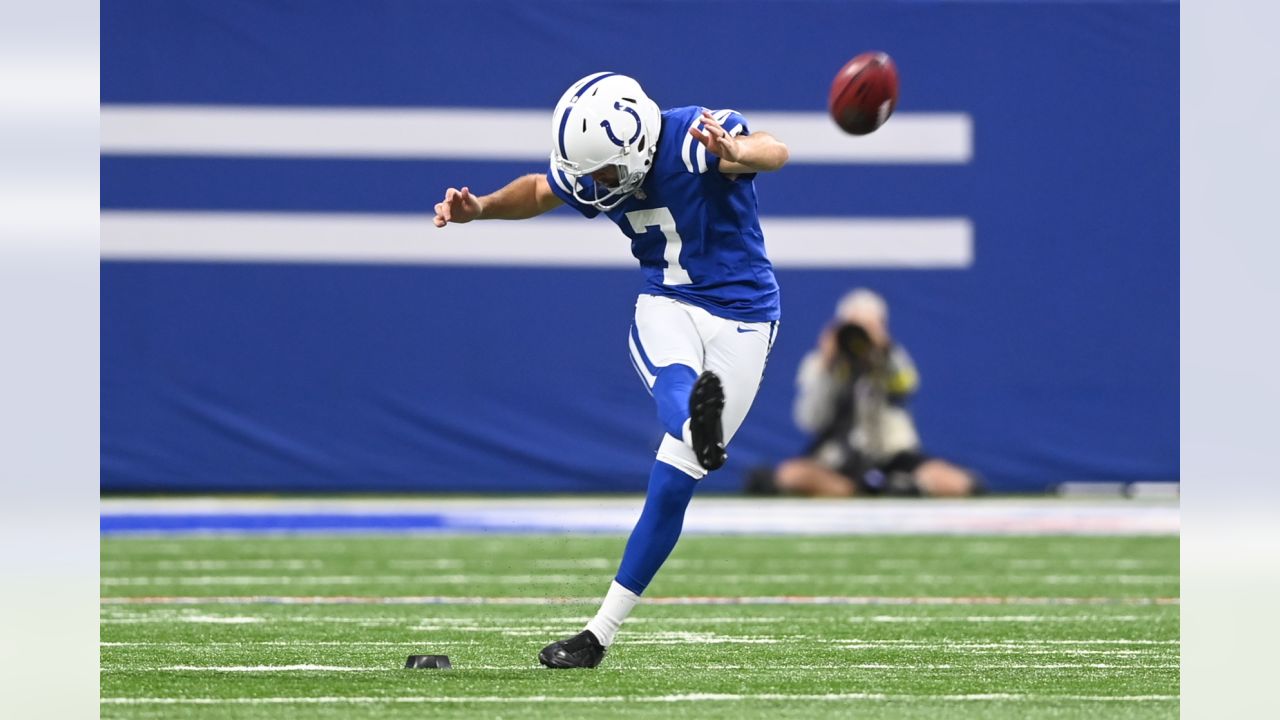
(793, 627)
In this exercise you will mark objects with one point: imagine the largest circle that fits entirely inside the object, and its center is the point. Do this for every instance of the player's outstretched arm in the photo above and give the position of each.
(522, 198)
(757, 152)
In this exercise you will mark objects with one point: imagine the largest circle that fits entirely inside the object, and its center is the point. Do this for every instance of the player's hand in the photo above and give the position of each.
(458, 206)
(716, 140)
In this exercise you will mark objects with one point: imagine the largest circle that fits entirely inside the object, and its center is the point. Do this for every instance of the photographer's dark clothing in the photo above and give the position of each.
(857, 413)
(895, 476)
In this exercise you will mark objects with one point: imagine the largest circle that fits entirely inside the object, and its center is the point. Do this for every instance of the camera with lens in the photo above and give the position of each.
(855, 347)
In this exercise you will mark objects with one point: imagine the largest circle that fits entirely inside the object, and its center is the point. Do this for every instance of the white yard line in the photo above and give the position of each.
(219, 619)
(1020, 643)
(561, 578)
(689, 697)
(479, 625)
(277, 564)
(261, 668)
(1047, 646)
(1064, 646)
(594, 600)
(452, 579)
(432, 563)
(213, 619)
(280, 643)
(624, 668)
(1000, 619)
(222, 647)
(704, 641)
(596, 563)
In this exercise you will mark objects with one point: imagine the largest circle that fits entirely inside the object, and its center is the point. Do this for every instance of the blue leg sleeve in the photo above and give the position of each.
(658, 528)
(671, 391)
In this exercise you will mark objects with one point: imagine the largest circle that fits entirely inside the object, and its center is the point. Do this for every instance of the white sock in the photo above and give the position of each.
(617, 605)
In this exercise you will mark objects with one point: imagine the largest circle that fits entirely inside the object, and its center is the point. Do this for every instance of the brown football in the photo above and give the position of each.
(864, 93)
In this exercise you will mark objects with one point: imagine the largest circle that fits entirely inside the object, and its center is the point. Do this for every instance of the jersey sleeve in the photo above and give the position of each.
(561, 184)
(734, 123)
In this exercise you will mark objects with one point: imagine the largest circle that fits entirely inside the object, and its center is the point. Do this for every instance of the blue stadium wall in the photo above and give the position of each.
(1052, 355)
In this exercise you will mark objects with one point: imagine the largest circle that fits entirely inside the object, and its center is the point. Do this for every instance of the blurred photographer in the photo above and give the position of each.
(852, 394)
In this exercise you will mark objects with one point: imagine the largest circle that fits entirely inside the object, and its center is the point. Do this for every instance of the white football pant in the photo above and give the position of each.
(670, 332)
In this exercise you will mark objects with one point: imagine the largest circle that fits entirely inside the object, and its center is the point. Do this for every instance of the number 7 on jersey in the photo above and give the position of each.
(661, 218)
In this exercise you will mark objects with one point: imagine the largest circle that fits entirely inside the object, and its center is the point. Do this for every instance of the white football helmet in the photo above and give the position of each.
(601, 120)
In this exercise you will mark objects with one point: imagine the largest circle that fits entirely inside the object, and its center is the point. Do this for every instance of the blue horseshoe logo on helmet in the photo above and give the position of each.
(609, 130)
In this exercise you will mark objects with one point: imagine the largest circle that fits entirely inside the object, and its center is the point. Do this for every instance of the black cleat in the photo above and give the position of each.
(580, 651)
(706, 405)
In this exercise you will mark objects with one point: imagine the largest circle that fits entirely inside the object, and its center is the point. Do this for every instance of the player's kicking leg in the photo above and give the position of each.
(700, 418)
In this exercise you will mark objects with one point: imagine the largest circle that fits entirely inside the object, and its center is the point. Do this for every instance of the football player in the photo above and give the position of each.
(679, 183)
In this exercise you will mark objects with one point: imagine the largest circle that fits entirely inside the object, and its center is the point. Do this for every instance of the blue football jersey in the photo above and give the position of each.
(695, 231)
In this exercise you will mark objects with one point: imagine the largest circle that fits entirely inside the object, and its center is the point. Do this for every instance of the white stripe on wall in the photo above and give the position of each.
(482, 134)
(551, 242)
